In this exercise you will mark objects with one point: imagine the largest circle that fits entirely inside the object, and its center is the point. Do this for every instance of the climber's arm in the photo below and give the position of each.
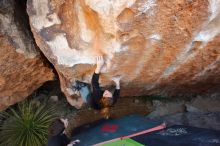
(97, 92)
(116, 95)
(99, 64)
(95, 77)
(95, 82)
(117, 88)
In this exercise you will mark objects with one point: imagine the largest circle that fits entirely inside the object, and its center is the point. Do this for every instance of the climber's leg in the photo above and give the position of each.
(85, 93)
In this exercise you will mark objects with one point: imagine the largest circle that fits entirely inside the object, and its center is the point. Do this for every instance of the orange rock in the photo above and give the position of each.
(22, 68)
(159, 47)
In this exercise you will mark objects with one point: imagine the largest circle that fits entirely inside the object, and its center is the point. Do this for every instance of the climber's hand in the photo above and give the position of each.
(99, 63)
(117, 79)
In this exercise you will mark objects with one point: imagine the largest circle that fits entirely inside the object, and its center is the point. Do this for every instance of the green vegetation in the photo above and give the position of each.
(26, 124)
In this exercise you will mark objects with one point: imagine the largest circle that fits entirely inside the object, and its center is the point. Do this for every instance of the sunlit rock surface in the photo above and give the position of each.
(159, 47)
(22, 68)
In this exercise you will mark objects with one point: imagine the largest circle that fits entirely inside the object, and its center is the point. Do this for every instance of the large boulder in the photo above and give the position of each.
(159, 47)
(204, 104)
(22, 67)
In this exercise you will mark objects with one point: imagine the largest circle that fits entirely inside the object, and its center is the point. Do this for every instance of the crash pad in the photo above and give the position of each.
(180, 135)
(105, 130)
(129, 131)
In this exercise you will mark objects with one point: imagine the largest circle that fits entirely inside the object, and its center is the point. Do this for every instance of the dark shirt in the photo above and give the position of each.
(97, 93)
(58, 140)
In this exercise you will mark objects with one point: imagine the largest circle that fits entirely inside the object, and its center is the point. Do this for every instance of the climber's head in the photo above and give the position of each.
(107, 99)
(107, 94)
(106, 102)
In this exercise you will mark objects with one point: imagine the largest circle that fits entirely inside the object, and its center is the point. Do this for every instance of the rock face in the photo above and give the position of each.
(201, 111)
(166, 108)
(200, 120)
(204, 104)
(159, 47)
(22, 68)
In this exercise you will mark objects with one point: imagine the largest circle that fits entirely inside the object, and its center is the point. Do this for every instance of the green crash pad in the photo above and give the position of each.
(124, 142)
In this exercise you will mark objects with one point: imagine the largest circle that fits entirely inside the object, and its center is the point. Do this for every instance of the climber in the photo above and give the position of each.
(98, 99)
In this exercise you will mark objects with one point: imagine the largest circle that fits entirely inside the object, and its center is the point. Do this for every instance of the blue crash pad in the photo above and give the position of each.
(180, 136)
(105, 130)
